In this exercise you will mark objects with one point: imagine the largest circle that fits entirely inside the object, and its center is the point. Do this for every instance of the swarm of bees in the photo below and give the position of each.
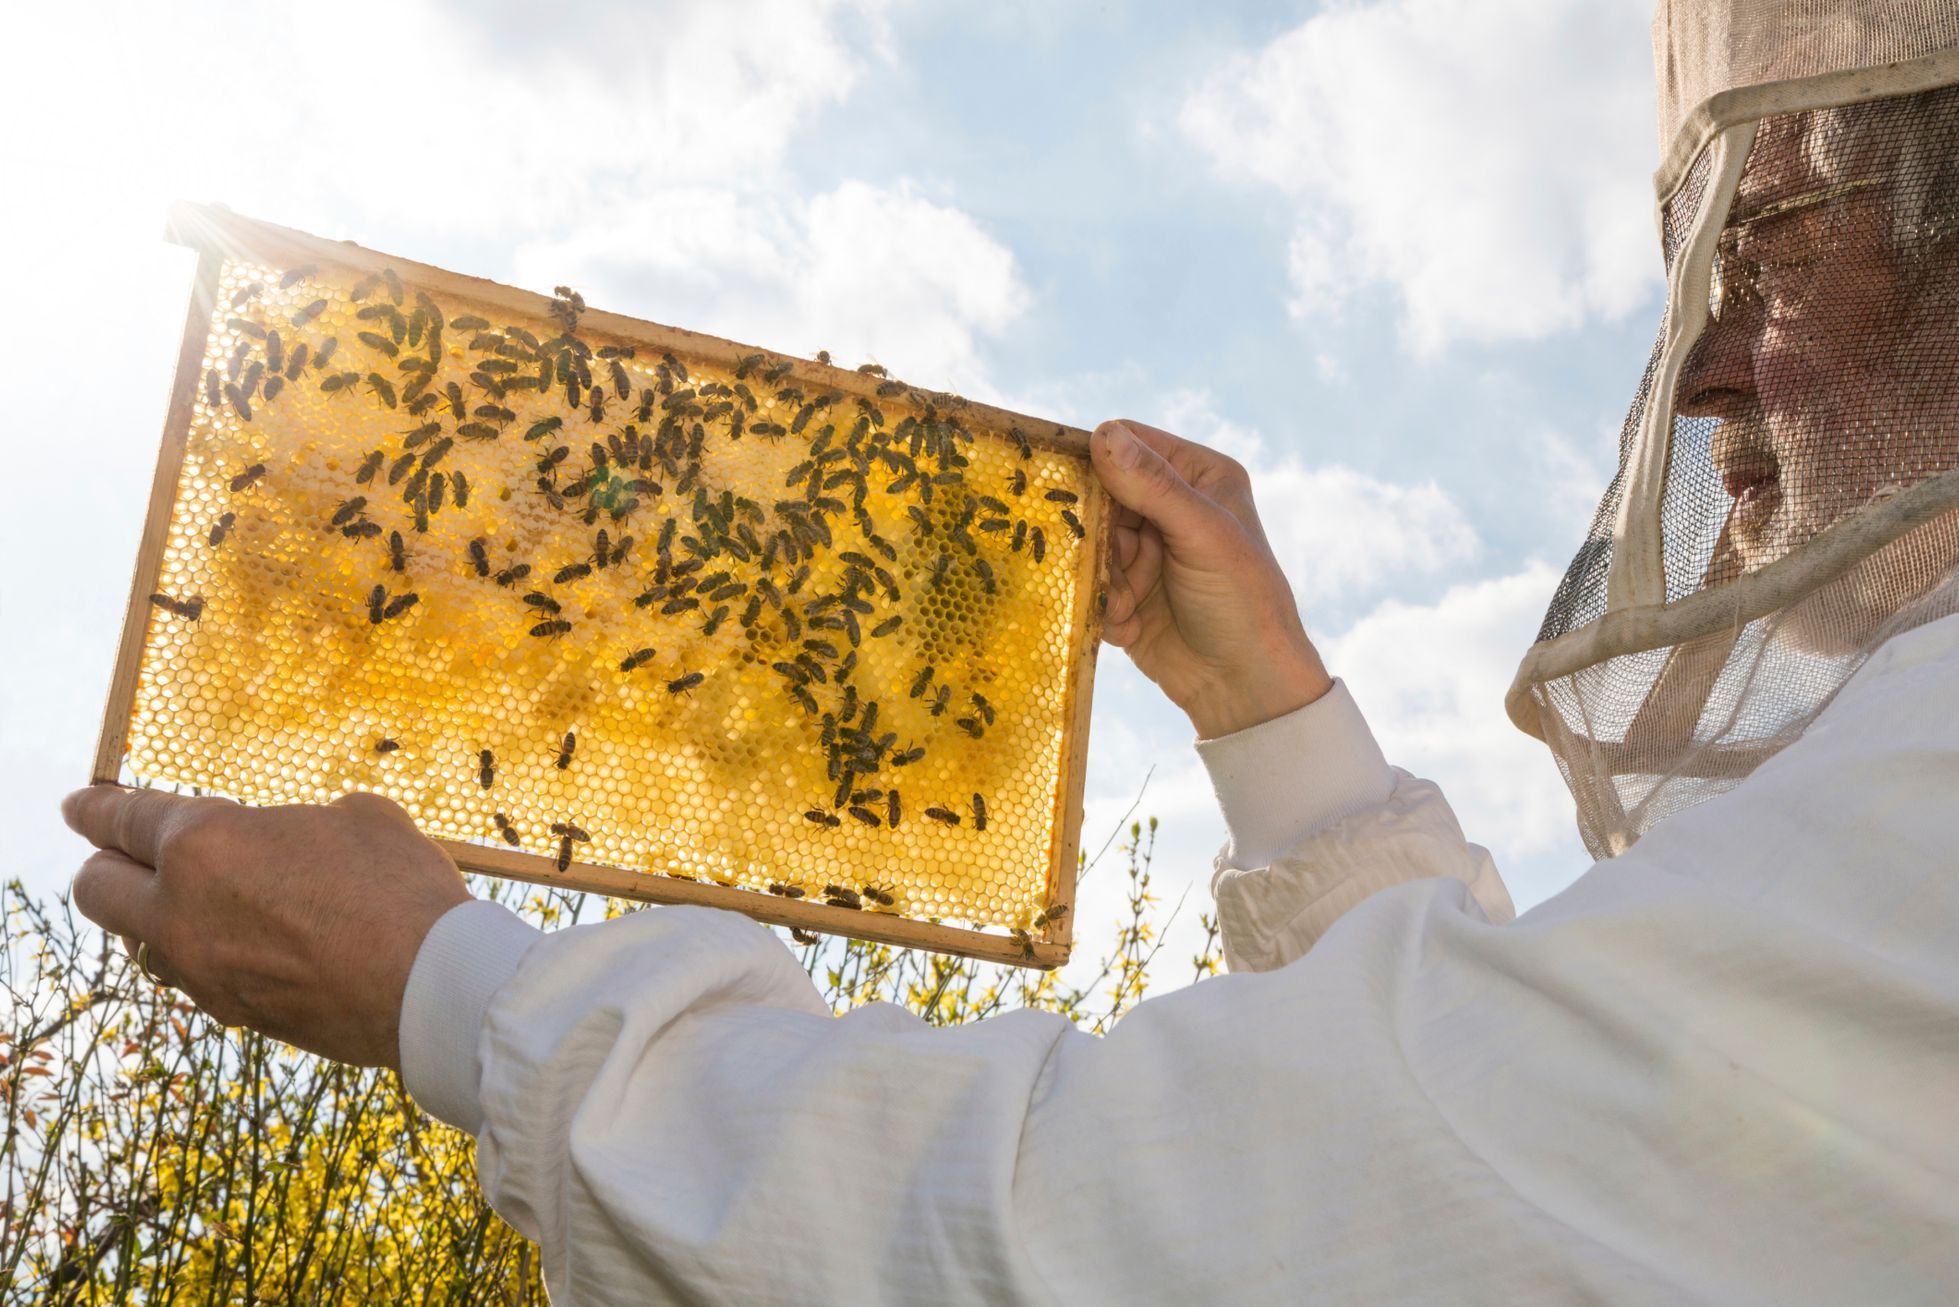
(807, 578)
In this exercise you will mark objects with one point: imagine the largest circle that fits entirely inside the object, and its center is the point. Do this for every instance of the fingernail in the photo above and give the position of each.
(1122, 446)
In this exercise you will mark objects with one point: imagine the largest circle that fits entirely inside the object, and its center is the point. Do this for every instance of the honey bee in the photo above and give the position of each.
(221, 528)
(551, 629)
(864, 814)
(979, 812)
(1074, 523)
(369, 466)
(400, 604)
(971, 726)
(486, 769)
(361, 530)
(567, 833)
(345, 513)
(804, 937)
(940, 700)
(939, 570)
(572, 572)
(682, 684)
(822, 818)
(539, 430)
(479, 556)
(1050, 915)
(510, 576)
(837, 896)
(985, 709)
(781, 890)
(459, 489)
(246, 294)
(247, 477)
(637, 658)
(565, 749)
(893, 810)
(469, 322)
(538, 599)
(213, 390)
(191, 609)
(944, 816)
(1062, 497)
(386, 744)
(984, 570)
(296, 363)
(886, 389)
(505, 829)
(906, 758)
(1038, 541)
(1025, 941)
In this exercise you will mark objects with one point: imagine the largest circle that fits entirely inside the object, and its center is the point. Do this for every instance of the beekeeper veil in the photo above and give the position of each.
(1788, 488)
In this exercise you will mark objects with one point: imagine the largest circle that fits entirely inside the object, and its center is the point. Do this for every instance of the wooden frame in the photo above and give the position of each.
(217, 235)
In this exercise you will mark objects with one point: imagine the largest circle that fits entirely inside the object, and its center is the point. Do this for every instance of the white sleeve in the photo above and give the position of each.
(1317, 822)
(1719, 1068)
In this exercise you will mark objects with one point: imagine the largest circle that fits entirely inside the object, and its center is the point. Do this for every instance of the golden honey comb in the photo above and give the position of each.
(613, 605)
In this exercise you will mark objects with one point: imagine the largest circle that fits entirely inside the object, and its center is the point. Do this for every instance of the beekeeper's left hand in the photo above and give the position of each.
(301, 922)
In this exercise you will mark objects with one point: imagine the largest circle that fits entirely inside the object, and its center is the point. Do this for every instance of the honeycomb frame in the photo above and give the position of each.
(1007, 883)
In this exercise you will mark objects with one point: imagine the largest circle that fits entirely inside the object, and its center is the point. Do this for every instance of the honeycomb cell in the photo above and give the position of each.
(794, 630)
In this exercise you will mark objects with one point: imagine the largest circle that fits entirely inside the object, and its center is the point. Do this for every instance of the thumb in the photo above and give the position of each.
(1140, 479)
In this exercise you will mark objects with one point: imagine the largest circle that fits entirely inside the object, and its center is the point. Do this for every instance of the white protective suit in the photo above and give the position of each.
(1722, 1067)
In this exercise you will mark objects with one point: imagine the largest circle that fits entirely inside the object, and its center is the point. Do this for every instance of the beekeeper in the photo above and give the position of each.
(1722, 1067)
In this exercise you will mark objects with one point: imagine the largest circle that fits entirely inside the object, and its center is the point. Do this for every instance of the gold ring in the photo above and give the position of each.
(143, 962)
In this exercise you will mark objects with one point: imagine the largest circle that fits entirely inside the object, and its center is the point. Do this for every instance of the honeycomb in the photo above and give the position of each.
(612, 601)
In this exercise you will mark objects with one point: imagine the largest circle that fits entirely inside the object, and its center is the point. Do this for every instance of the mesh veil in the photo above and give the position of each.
(1787, 495)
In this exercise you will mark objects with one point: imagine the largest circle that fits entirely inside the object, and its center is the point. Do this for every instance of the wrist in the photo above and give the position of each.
(1253, 695)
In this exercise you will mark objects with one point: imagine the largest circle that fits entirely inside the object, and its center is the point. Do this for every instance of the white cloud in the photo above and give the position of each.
(1487, 159)
(863, 271)
(490, 118)
(1431, 679)
(1338, 533)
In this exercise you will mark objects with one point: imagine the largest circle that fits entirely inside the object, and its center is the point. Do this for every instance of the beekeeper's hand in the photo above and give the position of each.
(301, 922)
(1195, 594)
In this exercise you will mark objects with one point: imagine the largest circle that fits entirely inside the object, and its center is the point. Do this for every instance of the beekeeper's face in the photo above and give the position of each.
(1815, 359)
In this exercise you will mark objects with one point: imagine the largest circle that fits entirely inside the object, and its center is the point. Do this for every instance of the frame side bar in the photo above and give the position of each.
(114, 739)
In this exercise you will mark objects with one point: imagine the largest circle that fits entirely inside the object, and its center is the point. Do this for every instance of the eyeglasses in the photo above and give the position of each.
(1764, 257)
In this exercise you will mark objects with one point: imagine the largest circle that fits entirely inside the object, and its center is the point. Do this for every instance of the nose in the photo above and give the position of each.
(1718, 380)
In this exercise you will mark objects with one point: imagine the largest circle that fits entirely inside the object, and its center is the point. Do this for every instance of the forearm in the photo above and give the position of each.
(1318, 822)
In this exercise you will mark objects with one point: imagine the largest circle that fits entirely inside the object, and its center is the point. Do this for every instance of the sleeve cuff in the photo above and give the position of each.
(1283, 780)
(465, 958)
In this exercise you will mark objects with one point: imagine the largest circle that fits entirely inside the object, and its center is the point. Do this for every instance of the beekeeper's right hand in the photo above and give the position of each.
(1195, 594)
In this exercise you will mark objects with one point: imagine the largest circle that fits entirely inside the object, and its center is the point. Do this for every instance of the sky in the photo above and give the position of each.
(1396, 256)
